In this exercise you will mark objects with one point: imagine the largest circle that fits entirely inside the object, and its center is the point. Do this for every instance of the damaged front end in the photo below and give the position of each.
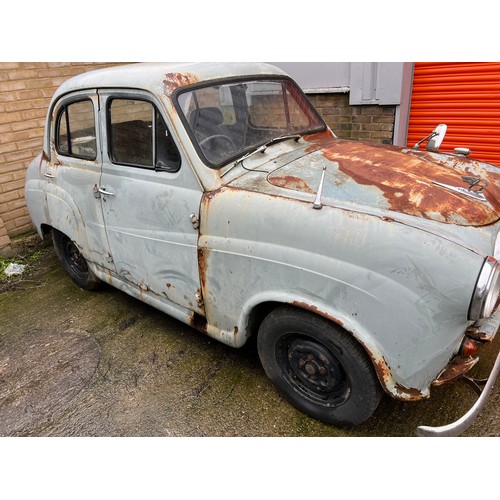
(483, 331)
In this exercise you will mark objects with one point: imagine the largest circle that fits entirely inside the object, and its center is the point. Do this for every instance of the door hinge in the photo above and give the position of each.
(199, 298)
(194, 221)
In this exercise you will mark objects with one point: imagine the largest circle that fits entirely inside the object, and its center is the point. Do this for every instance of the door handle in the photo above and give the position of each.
(50, 176)
(103, 191)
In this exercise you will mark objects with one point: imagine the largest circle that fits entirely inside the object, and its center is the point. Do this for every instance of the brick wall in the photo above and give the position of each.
(25, 92)
(368, 123)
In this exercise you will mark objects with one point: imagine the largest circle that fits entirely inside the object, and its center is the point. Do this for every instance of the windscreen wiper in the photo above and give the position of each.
(262, 148)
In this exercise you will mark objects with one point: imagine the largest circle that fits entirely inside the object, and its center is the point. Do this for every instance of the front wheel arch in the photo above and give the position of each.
(318, 367)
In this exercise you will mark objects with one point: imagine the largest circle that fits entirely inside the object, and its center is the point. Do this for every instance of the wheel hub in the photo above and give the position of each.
(315, 366)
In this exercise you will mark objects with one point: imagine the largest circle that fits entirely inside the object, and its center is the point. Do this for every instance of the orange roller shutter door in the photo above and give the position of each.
(465, 96)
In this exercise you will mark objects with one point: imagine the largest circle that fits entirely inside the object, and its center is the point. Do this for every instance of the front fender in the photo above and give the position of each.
(402, 292)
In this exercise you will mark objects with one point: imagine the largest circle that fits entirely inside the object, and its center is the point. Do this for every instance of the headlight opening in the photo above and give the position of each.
(485, 298)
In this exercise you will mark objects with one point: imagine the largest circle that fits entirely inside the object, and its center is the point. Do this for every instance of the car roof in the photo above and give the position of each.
(162, 78)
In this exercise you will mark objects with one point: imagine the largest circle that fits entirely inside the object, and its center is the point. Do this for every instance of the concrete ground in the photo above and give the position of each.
(78, 363)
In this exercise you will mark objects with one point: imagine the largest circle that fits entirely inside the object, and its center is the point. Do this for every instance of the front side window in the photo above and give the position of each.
(75, 131)
(138, 136)
(225, 120)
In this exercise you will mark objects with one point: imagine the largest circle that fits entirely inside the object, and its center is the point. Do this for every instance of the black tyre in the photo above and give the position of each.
(318, 367)
(73, 261)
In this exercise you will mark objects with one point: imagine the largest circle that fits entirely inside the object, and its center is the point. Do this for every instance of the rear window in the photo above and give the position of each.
(75, 131)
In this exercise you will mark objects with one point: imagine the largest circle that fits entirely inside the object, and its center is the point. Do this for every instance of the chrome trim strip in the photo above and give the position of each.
(456, 428)
(487, 280)
(477, 195)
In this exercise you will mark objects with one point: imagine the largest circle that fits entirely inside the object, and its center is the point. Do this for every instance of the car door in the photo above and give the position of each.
(149, 194)
(73, 173)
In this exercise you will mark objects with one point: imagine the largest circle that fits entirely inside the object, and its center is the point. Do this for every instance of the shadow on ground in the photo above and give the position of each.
(78, 363)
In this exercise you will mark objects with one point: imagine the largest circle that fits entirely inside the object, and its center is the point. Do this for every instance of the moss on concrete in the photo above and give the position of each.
(158, 377)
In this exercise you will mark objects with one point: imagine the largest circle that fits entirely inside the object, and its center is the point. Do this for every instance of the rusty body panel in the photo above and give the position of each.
(319, 271)
(173, 81)
(458, 366)
(391, 256)
(396, 179)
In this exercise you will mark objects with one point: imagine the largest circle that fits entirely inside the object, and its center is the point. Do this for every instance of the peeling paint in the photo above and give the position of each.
(458, 366)
(198, 322)
(408, 394)
(315, 310)
(173, 81)
(291, 182)
(407, 180)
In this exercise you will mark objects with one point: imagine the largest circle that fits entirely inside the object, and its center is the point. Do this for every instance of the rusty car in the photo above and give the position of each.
(218, 194)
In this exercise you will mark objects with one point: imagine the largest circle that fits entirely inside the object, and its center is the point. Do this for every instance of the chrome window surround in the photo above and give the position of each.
(487, 289)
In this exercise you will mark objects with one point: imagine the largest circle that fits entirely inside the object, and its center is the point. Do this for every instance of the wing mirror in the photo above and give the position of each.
(434, 139)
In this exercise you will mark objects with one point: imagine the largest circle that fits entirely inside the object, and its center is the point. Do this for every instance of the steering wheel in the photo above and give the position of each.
(218, 137)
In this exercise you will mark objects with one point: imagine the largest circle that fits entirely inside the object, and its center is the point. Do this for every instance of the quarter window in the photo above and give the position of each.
(75, 134)
(138, 136)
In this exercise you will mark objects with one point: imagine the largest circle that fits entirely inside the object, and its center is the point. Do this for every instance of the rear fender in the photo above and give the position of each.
(64, 215)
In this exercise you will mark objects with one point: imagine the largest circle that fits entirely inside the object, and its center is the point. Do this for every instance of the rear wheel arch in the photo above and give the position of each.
(73, 262)
(45, 230)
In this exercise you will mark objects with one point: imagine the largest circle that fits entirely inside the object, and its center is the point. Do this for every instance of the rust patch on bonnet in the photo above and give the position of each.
(291, 182)
(173, 81)
(406, 180)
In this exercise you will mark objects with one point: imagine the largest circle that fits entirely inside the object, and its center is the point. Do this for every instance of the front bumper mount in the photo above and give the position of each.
(483, 388)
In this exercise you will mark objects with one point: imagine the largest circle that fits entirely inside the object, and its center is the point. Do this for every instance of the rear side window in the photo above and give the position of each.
(138, 136)
(75, 130)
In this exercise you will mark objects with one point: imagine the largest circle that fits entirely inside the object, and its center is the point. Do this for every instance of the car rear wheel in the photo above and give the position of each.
(73, 261)
(318, 367)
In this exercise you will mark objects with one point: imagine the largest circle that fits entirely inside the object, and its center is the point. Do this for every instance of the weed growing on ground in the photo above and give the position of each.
(29, 252)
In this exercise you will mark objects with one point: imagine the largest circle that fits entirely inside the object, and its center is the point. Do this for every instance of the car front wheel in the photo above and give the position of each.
(318, 367)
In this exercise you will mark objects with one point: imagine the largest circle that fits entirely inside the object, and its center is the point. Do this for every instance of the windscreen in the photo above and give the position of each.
(225, 120)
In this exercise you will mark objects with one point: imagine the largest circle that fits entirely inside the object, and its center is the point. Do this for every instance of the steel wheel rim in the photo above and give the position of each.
(75, 259)
(313, 370)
